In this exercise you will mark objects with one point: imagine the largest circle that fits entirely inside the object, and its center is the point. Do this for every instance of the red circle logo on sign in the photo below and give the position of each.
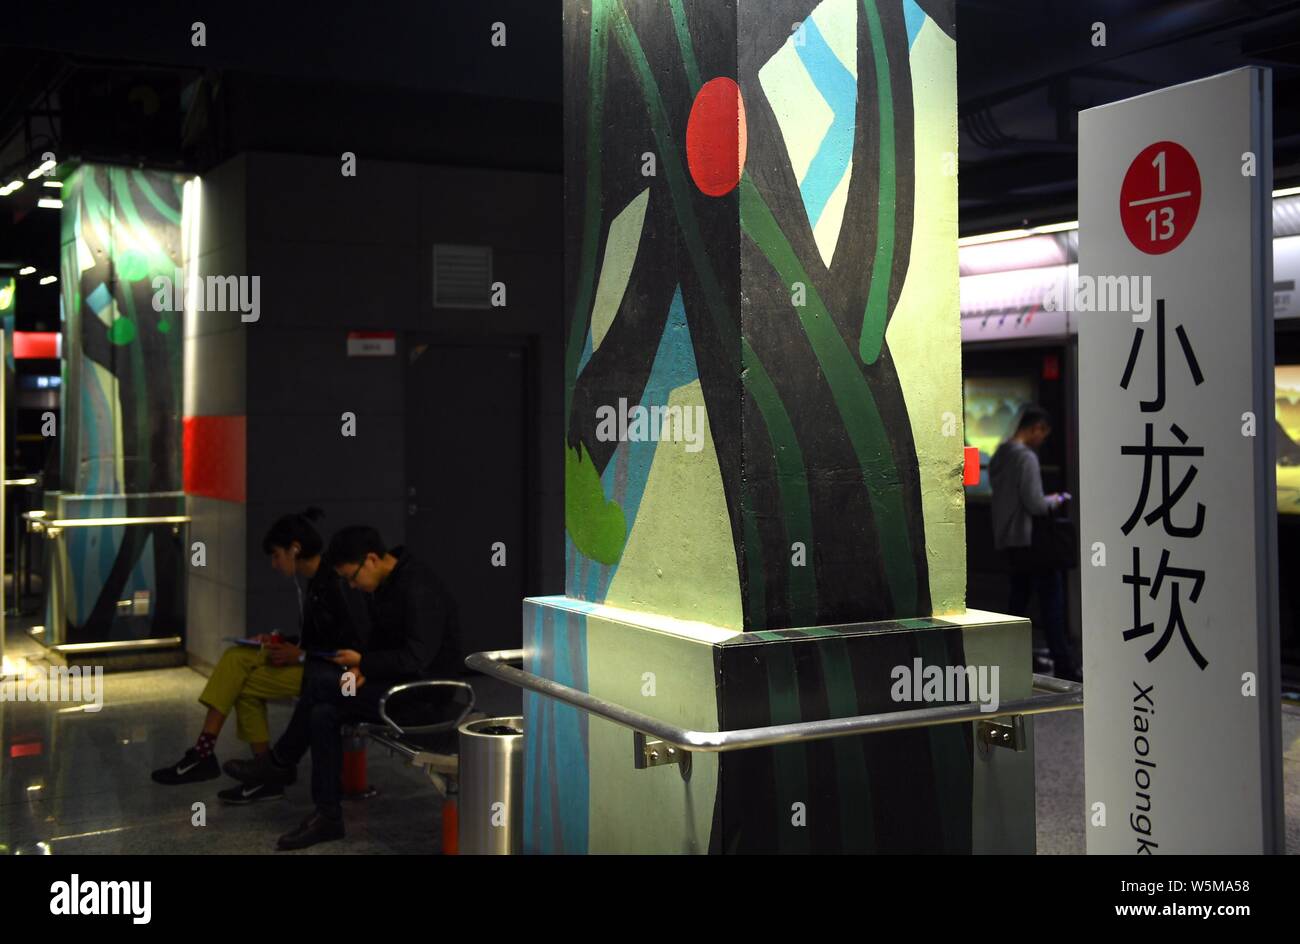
(1160, 197)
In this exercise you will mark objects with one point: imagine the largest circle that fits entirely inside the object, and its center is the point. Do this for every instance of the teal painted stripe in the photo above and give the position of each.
(537, 824)
(573, 777)
(915, 18)
(839, 89)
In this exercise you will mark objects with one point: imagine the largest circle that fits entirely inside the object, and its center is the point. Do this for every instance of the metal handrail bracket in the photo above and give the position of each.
(1053, 694)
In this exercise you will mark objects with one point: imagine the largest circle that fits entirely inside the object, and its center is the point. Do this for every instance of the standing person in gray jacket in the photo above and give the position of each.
(1017, 499)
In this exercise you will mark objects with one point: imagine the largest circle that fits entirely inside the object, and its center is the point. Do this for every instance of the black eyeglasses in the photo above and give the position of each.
(352, 578)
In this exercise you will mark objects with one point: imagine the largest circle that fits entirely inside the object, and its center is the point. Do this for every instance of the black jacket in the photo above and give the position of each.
(334, 616)
(414, 627)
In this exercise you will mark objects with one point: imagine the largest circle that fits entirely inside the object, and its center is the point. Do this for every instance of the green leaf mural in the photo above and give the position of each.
(597, 526)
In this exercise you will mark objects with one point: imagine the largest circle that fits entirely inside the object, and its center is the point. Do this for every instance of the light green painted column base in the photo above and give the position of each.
(584, 794)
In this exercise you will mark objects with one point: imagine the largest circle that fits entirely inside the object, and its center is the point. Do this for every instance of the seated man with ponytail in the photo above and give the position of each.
(332, 617)
(415, 634)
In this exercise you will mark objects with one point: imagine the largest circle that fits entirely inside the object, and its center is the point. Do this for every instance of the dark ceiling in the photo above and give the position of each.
(421, 82)
(1025, 68)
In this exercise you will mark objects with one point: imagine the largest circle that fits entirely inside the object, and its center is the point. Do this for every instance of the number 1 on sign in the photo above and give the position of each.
(1166, 213)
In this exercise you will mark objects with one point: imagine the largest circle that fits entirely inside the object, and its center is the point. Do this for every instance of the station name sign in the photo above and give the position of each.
(1177, 505)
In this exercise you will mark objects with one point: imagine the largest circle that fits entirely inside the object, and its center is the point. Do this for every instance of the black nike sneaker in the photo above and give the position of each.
(251, 793)
(190, 769)
(260, 770)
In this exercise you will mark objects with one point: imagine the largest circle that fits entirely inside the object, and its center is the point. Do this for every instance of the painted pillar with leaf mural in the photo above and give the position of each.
(121, 406)
(763, 450)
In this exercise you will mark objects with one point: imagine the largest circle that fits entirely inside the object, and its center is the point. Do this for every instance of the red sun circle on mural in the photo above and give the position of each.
(716, 137)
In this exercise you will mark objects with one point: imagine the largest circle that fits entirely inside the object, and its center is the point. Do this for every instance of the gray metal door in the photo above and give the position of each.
(467, 481)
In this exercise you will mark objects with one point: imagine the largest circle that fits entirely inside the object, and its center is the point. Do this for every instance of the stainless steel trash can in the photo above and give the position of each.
(492, 786)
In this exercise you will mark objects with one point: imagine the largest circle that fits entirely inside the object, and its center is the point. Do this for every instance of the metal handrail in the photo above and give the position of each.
(1054, 695)
(39, 523)
(55, 531)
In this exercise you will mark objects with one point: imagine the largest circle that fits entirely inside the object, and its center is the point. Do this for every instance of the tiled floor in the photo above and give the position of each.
(1058, 741)
(76, 781)
(73, 781)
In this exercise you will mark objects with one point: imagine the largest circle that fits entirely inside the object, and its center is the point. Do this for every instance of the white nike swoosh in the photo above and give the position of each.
(249, 791)
(180, 771)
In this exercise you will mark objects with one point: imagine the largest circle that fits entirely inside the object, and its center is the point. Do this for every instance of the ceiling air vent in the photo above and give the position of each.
(462, 276)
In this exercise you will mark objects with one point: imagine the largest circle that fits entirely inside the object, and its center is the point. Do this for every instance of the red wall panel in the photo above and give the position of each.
(214, 457)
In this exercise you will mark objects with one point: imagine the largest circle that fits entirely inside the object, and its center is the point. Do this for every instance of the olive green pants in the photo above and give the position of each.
(244, 680)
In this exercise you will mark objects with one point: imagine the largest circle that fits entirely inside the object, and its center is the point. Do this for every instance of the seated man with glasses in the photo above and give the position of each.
(414, 634)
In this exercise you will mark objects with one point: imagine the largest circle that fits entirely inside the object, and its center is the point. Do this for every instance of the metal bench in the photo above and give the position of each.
(430, 746)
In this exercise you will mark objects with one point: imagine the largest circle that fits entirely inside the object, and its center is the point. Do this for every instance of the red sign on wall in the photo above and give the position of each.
(1160, 197)
(213, 451)
(372, 343)
(39, 345)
